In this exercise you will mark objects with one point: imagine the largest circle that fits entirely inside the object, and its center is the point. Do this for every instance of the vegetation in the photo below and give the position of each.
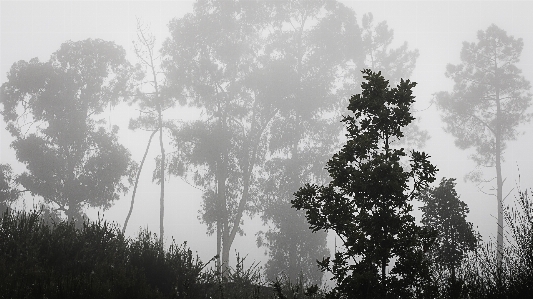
(269, 79)
(40, 257)
(367, 203)
(52, 110)
(445, 216)
(489, 100)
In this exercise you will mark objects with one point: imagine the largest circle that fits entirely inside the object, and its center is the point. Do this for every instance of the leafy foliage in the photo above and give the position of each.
(367, 201)
(51, 109)
(57, 260)
(260, 86)
(445, 214)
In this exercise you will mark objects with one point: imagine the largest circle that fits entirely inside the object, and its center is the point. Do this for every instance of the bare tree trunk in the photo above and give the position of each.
(162, 173)
(146, 55)
(499, 183)
(137, 182)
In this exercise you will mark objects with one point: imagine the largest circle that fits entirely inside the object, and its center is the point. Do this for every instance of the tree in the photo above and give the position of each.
(152, 105)
(52, 109)
(235, 74)
(488, 102)
(367, 202)
(208, 58)
(393, 63)
(8, 187)
(313, 44)
(445, 213)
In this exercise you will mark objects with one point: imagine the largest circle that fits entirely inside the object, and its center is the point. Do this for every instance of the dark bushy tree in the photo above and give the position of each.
(489, 100)
(445, 214)
(52, 109)
(367, 202)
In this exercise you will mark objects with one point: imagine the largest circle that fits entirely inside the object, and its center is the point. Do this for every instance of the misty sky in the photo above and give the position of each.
(436, 28)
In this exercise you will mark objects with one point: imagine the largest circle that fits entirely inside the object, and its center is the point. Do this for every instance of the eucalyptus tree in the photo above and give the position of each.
(490, 99)
(253, 80)
(367, 202)
(53, 110)
(209, 58)
(313, 45)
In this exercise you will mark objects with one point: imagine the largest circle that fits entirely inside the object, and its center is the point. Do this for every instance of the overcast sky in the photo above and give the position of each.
(436, 29)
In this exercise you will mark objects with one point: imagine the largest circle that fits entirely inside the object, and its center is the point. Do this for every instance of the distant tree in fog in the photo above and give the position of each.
(489, 100)
(8, 187)
(368, 201)
(152, 104)
(260, 88)
(209, 58)
(313, 42)
(53, 110)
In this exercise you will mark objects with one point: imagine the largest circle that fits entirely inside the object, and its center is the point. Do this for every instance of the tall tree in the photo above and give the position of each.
(209, 57)
(152, 104)
(489, 100)
(313, 43)
(445, 213)
(242, 74)
(53, 110)
(367, 202)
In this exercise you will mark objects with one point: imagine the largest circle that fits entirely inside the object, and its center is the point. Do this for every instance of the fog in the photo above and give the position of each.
(437, 29)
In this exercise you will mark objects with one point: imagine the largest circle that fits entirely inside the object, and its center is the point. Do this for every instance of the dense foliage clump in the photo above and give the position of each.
(56, 260)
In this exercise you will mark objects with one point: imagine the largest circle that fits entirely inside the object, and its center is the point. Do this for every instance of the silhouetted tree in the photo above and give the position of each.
(52, 109)
(394, 64)
(445, 213)
(488, 102)
(367, 203)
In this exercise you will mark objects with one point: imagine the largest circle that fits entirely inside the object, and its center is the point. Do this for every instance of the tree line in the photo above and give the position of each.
(271, 79)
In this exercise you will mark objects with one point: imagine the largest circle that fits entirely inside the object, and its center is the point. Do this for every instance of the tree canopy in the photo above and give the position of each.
(52, 109)
(261, 73)
(445, 213)
(490, 98)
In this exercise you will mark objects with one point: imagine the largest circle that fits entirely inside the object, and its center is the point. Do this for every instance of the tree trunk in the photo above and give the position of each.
(162, 173)
(222, 224)
(499, 182)
(137, 182)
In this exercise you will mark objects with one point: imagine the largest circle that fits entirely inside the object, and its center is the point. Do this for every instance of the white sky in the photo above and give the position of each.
(436, 28)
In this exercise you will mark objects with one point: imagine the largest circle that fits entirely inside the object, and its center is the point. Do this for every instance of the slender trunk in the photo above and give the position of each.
(222, 223)
(250, 146)
(162, 177)
(219, 221)
(222, 226)
(137, 181)
(499, 182)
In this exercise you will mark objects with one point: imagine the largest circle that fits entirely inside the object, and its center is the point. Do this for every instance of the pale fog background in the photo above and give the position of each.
(436, 29)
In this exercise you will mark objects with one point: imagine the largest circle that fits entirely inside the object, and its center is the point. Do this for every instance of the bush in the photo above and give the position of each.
(57, 260)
